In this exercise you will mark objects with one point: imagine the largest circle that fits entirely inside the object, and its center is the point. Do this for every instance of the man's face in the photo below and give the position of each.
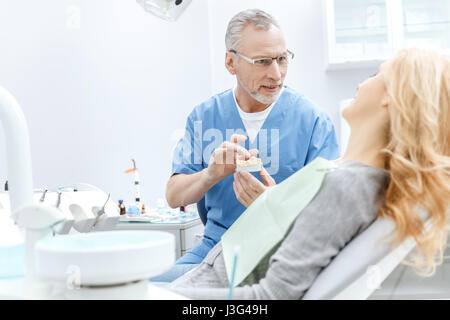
(263, 83)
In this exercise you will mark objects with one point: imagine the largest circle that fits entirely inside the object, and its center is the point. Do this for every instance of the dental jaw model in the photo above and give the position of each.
(251, 165)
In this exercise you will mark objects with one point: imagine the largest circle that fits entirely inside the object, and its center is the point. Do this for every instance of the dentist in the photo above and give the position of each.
(282, 126)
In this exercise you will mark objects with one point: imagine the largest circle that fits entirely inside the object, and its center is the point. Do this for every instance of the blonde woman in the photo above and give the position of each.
(397, 161)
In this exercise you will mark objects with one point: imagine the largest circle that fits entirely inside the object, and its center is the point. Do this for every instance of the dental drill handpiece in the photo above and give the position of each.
(43, 196)
(58, 202)
(100, 213)
(102, 210)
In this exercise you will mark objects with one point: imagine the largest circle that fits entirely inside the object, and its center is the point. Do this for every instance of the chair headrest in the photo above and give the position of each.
(365, 250)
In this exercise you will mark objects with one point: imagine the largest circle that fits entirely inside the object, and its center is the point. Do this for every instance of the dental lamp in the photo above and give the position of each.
(168, 10)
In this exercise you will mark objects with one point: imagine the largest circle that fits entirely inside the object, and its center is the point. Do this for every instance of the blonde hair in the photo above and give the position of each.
(418, 153)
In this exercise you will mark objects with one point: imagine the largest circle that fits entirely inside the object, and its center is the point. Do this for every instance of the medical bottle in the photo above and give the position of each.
(143, 209)
(121, 207)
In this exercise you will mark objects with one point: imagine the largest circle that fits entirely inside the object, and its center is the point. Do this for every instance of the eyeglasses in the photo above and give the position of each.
(282, 60)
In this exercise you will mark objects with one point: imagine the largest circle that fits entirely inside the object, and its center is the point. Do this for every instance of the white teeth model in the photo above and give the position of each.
(251, 165)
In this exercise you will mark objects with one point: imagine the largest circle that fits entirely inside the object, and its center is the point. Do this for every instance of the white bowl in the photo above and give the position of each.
(105, 258)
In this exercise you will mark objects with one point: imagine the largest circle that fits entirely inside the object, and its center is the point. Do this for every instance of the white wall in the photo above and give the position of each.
(122, 84)
(101, 82)
(303, 26)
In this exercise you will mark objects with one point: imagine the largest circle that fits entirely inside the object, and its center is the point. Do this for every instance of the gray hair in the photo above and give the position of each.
(259, 18)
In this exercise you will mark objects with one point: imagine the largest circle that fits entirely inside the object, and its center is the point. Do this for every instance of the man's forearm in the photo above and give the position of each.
(184, 189)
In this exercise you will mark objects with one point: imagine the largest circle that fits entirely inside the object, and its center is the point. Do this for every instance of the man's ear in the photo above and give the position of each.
(230, 63)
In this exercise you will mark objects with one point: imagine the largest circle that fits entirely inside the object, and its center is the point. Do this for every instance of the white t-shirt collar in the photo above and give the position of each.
(255, 115)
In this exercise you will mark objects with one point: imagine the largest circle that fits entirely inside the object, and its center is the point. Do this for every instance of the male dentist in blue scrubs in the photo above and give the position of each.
(259, 116)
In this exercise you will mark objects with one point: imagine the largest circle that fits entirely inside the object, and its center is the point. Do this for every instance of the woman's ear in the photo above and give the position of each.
(230, 63)
(385, 101)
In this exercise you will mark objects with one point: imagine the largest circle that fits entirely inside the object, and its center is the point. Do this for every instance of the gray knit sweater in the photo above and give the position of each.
(346, 204)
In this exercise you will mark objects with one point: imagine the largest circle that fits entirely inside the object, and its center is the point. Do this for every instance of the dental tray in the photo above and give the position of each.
(139, 218)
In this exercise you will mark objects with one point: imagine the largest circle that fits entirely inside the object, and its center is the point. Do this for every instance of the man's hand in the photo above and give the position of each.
(223, 160)
(247, 188)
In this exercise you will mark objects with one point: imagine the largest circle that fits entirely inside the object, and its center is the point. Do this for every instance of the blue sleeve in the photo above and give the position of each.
(187, 156)
(323, 140)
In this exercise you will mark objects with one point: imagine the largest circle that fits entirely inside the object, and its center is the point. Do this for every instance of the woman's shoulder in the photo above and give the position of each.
(347, 202)
(353, 175)
(354, 188)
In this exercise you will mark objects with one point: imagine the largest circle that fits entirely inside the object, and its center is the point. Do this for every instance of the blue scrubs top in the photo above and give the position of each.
(294, 133)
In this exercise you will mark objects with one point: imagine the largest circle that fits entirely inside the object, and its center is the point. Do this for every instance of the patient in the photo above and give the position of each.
(397, 160)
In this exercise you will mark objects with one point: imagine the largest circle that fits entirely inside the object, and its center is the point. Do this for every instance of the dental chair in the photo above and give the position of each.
(360, 268)
(202, 212)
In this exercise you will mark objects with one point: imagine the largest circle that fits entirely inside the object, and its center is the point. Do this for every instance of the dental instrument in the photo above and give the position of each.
(58, 202)
(43, 196)
(99, 214)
